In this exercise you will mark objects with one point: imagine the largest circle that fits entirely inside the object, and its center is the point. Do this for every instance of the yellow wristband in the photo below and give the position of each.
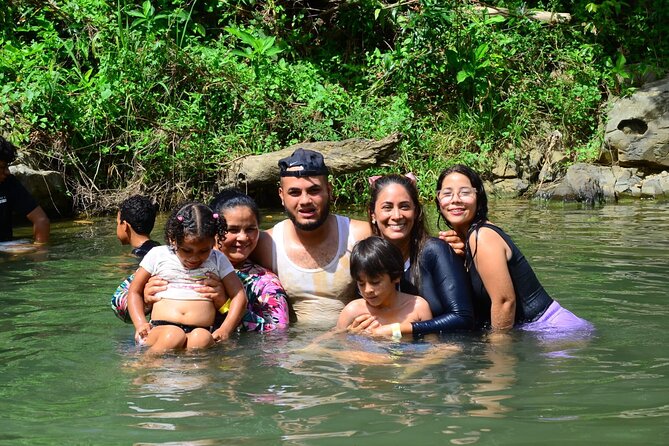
(397, 333)
(226, 307)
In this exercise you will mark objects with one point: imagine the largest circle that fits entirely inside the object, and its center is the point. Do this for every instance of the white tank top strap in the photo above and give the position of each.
(346, 240)
(317, 295)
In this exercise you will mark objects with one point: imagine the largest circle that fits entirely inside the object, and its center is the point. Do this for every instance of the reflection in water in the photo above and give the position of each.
(495, 382)
(69, 367)
(168, 378)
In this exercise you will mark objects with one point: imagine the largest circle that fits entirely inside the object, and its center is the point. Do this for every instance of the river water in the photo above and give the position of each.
(70, 374)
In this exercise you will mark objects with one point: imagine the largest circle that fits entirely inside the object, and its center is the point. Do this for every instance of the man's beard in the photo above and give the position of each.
(313, 225)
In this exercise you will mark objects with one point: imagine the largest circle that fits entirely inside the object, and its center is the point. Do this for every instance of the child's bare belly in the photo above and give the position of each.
(199, 313)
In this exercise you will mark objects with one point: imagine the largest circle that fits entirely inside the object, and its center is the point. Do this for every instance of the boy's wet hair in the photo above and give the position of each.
(140, 213)
(375, 256)
(194, 219)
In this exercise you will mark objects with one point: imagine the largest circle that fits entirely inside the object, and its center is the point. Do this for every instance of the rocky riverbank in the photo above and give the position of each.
(634, 160)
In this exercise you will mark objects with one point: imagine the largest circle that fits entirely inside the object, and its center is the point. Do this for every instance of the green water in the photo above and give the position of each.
(70, 374)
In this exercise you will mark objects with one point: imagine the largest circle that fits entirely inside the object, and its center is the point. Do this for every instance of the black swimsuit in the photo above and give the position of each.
(445, 287)
(532, 300)
(186, 328)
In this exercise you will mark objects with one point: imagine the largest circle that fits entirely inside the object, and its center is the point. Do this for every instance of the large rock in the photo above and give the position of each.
(505, 167)
(656, 185)
(637, 129)
(509, 187)
(590, 184)
(48, 188)
(346, 156)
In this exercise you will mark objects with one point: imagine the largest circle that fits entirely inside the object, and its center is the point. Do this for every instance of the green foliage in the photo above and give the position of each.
(166, 92)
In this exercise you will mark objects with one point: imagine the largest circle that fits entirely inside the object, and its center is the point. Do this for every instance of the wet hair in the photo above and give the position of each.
(231, 198)
(140, 213)
(7, 151)
(194, 219)
(418, 234)
(481, 215)
(375, 256)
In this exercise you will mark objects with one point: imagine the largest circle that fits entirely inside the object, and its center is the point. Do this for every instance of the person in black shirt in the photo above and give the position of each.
(15, 198)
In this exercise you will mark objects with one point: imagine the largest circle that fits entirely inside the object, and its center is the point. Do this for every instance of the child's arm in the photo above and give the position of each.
(348, 314)
(234, 289)
(421, 312)
(136, 303)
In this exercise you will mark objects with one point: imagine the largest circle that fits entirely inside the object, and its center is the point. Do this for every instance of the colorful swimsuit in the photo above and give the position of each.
(267, 309)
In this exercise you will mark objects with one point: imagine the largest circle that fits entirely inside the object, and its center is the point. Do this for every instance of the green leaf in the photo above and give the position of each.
(148, 9)
(481, 51)
(495, 19)
(246, 54)
(462, 76)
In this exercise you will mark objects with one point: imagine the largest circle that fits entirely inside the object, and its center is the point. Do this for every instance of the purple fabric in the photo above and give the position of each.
(558, 320)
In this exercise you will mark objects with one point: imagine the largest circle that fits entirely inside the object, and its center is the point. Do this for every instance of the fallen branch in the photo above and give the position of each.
(541, 16)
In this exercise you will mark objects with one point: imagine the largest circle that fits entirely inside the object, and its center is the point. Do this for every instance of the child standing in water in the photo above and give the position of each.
(182, 318)
(134, 222)
(377, 266)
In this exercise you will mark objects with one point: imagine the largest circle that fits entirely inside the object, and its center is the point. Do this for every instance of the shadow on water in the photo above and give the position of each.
(72, 375)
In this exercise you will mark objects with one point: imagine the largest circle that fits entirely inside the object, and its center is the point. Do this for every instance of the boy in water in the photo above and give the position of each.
(134, 223)
(377, 266)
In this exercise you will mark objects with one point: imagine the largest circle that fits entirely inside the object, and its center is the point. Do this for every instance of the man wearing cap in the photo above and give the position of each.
(310, 250)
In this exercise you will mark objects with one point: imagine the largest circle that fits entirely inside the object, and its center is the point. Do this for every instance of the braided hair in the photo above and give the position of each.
(194, 219)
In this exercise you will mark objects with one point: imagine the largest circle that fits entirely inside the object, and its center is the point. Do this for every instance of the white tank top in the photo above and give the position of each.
(317, 295)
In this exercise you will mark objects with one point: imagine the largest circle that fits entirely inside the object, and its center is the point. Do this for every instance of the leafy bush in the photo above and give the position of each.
(161, 94)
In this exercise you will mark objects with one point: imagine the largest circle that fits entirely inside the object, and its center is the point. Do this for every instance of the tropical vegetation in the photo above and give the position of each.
(161, 95)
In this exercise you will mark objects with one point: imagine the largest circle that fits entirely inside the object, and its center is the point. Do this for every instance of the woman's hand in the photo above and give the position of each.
(453, 239)
(154, 286)
(212, 288)
(365, 323)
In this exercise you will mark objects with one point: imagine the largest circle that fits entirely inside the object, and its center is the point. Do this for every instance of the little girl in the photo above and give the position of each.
(377, 266)
(183, 318)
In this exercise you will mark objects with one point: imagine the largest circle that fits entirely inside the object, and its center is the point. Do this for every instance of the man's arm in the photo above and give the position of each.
(41, 224)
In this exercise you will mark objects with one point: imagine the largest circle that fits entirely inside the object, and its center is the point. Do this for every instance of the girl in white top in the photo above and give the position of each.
(183, 318)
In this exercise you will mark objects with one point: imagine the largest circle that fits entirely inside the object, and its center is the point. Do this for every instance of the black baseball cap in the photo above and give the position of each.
(303, 163)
